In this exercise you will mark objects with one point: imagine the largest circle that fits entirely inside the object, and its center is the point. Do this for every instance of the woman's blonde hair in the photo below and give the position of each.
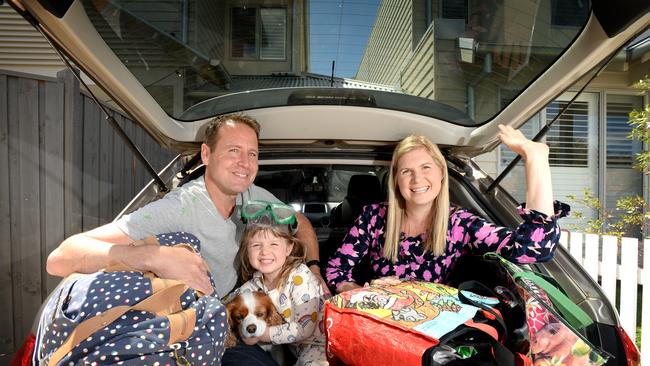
(436, 233)
(296, 257)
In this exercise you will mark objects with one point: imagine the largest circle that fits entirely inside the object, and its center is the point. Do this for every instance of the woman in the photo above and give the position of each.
(417, 235)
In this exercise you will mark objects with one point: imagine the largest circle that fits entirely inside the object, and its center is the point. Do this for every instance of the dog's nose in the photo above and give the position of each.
(251, 328)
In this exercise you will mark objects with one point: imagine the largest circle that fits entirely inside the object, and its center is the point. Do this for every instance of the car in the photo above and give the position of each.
(335, 86)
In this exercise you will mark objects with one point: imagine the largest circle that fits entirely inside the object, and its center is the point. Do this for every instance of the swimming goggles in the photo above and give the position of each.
(268, 213)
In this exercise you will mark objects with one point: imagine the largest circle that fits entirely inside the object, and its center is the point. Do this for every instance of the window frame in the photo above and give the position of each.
(258, 33)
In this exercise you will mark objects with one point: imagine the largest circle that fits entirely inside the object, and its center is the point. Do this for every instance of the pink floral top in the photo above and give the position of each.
(534, 240)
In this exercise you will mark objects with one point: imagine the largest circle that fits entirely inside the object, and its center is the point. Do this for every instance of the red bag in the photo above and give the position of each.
(395, 325)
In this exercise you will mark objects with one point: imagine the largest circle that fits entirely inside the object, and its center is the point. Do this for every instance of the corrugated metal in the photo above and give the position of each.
(245, 83)
(242, 83)
(22, 47)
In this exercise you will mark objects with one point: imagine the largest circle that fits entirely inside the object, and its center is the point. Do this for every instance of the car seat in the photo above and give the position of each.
(363, 189)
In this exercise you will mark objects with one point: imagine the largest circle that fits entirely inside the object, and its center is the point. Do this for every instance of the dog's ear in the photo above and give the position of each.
(274, 318)
(230, 309)
(230, 341)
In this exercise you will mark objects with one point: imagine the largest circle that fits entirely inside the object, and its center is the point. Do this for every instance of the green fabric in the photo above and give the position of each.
(571, 312)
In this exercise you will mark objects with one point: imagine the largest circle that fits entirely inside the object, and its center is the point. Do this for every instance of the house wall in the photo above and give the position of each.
(390, 41)
(427, 64)
(63, 171)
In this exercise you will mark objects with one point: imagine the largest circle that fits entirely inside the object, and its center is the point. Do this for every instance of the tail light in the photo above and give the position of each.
(23, 357)
(631, 352)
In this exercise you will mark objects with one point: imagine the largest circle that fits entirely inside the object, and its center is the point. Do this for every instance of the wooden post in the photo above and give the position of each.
(6, 294)
(628, 276)
(72, 152)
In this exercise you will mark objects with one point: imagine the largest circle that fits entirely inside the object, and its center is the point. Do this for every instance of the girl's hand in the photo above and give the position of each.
(265, 337)
(250, 341)
(520, 144)
(386, 281)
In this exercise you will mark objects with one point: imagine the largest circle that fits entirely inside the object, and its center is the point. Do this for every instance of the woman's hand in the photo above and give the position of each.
(346, 286)
(520, 144)
(539, 188)
(386, 281)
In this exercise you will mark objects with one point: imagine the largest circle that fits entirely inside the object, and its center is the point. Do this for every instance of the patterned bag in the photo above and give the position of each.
(395, 325)
(552, 321)
(122, 316)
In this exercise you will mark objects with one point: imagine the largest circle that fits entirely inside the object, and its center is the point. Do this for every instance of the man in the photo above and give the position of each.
(205, 207)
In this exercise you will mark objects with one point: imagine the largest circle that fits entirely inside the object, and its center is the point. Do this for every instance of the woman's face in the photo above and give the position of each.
(418, 178)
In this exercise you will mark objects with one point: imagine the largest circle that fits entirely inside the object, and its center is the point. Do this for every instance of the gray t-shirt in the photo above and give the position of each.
(189, 209)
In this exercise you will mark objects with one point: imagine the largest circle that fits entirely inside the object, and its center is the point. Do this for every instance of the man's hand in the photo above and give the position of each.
(316, 271)
(178, 263)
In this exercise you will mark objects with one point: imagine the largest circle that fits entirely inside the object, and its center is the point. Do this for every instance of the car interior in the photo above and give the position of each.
(332, 197)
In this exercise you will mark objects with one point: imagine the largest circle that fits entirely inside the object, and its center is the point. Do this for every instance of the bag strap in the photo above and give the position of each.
(163, 302)
(573, 314)
(480, 289)
(502, 355)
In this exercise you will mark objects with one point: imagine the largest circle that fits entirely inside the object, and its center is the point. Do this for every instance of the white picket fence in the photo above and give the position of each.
(618, 262)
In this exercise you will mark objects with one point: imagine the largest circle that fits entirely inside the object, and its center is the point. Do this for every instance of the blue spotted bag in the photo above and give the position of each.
(121, 316)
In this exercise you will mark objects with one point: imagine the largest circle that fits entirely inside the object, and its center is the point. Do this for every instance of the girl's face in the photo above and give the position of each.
(418, 178)
(267, 253)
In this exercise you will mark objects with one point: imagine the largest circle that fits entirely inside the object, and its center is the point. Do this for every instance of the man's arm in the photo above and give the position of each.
(107, 245)
(88, 252)
(307, 237)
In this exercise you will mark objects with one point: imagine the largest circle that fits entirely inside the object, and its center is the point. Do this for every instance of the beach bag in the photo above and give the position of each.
(397, 324)
(555, 324)
(122, 316)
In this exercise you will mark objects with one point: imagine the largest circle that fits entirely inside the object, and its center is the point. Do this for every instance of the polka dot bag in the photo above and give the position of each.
(124, 317)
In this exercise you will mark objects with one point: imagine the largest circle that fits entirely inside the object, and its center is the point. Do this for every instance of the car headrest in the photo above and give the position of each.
(365, 188)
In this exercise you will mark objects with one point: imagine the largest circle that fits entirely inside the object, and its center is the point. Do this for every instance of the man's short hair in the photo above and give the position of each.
(212, 130)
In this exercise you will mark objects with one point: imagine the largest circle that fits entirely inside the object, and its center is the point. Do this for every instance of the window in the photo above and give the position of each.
(621, 150)
(570, 13)
(258, 33)
(454, 9)
(568, 138)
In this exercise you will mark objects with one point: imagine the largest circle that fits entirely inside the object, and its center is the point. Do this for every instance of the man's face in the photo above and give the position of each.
(231, 166)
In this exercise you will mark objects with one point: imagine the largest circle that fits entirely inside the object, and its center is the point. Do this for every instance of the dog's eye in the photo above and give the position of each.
(260, 314)
(238, 317)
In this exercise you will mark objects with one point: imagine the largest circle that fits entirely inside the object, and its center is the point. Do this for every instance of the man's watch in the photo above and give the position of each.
(313, 262)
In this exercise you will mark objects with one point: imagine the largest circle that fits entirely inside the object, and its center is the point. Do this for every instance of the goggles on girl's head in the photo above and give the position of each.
(268, 213)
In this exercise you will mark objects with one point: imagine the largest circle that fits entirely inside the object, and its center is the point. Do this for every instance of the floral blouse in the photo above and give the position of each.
(534, 240)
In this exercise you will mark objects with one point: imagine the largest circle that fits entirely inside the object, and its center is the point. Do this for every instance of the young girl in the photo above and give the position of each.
(272, 261)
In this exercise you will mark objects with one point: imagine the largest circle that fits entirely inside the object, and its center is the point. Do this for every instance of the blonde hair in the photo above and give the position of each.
(437, 232)
(295, 258)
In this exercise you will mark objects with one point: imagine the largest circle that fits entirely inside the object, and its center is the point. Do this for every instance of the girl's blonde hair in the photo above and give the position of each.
(295, 258)
(437, 232)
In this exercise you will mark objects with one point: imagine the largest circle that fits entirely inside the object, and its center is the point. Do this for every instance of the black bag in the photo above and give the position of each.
(483, 343)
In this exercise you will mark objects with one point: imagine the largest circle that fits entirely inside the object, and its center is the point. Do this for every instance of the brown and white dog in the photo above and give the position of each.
(249, 313)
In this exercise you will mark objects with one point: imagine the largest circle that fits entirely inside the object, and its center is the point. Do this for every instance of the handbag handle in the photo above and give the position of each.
(158, 303)
(571, 312)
